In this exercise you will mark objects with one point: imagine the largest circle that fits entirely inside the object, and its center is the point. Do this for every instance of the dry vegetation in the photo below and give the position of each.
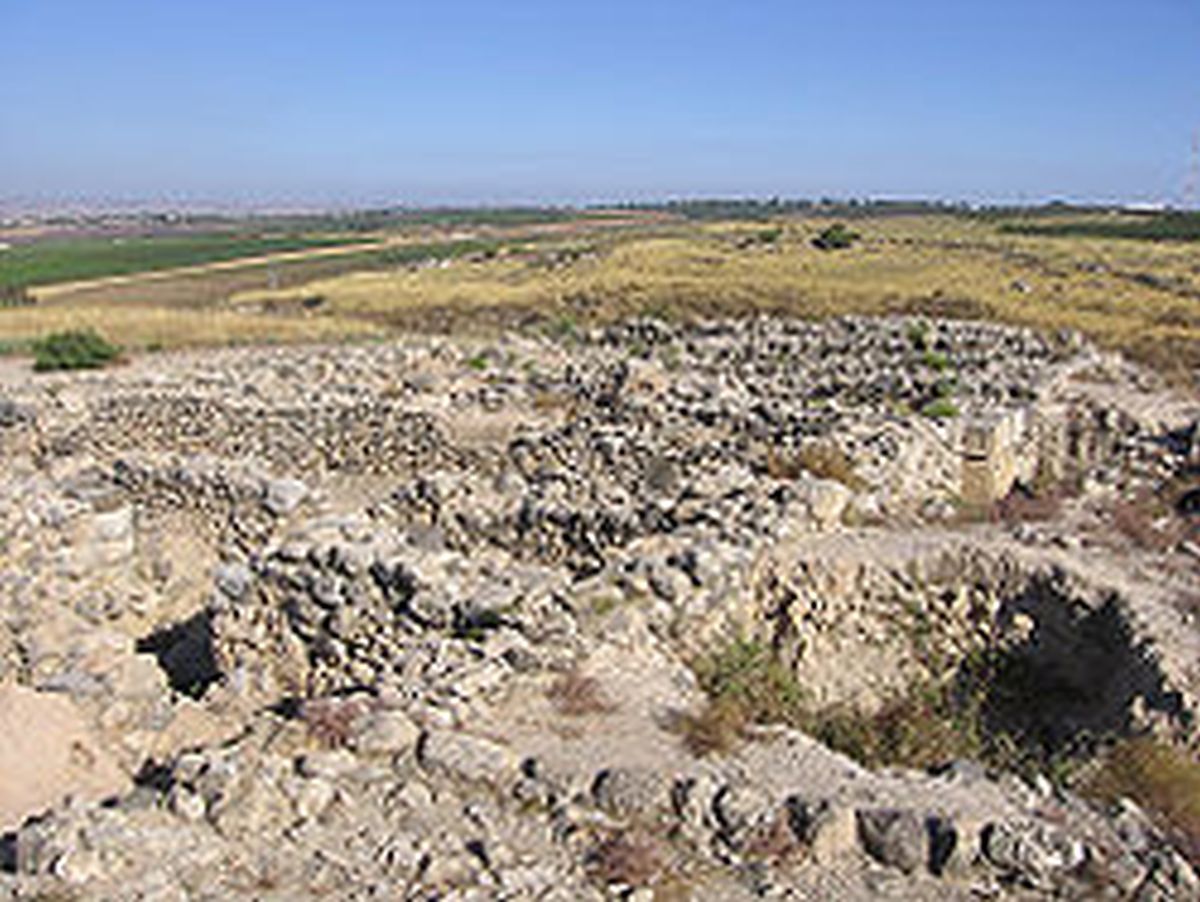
(820, 459)
(628, 858)
(931, 725)
(1136, 295)
(166, 327)
(574, 694)
(1162, 779)
(944, 265)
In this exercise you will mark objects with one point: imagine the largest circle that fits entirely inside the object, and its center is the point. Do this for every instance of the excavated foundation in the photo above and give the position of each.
(1060, 661)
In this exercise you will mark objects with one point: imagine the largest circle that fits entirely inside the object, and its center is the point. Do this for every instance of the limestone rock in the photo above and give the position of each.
(465, 757)
(49, 754)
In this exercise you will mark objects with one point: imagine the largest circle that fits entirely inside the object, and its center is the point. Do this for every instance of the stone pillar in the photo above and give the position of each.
(989, 460)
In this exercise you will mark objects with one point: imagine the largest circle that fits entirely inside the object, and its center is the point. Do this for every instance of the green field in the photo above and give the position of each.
(47, 262)
(1171, 226)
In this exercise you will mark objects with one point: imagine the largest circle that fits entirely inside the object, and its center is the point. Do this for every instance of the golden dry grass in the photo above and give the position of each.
(1162, 779)
(142, 327)
(1134, 295)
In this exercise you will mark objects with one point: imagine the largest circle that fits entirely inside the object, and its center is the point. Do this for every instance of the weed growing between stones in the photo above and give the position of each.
(627, 858)
(940, 409)
(823, 460)
(746, 683)
(982, 713)
(330, 721)
(1164, 780)
(936, 361)
(575, 694)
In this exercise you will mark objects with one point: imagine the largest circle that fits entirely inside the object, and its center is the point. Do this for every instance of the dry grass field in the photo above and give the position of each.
(1140, 296)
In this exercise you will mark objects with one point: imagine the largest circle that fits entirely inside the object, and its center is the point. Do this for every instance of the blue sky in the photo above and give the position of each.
(367, 101)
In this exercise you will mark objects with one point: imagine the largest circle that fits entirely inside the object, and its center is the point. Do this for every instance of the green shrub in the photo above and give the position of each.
(945, 387)
(918, 335)
(75, 350)
(15, 296)
(836, 237)
(940, 409)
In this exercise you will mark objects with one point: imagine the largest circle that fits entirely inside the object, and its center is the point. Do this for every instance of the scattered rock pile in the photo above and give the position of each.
(415, 621)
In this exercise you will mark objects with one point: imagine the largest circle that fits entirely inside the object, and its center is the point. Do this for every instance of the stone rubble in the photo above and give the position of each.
(314, 604)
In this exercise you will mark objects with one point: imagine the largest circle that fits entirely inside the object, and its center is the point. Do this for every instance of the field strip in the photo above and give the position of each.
(47, 292)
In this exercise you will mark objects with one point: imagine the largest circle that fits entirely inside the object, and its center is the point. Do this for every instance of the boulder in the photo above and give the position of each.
(897, 838)
(825, 499)
(282, 496)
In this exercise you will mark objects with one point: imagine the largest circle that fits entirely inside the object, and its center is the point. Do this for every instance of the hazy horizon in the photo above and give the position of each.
(307, 104)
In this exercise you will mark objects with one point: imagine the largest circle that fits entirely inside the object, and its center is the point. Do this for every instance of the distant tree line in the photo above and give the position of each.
(754, 209)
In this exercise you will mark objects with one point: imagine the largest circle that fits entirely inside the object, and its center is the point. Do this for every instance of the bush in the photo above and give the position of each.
(836, 237)
(75, 350)
(15, 296)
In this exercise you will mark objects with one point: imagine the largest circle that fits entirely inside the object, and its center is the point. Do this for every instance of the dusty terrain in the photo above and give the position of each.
(436, 618)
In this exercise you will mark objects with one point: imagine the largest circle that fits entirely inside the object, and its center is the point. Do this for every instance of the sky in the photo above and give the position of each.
(370, 102)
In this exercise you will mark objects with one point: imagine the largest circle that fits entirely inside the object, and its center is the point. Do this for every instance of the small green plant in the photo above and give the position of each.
(940, 409)
(918, 335)
(479, 363)
(945, 387)
(936, 361)
(603, 605)
(746, 683)
(922, 728)
(836, 237)
(75, 350)
(564, 329)
(671, 358)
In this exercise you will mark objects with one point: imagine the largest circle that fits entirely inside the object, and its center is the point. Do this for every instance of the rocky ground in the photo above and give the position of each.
(416, 620)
